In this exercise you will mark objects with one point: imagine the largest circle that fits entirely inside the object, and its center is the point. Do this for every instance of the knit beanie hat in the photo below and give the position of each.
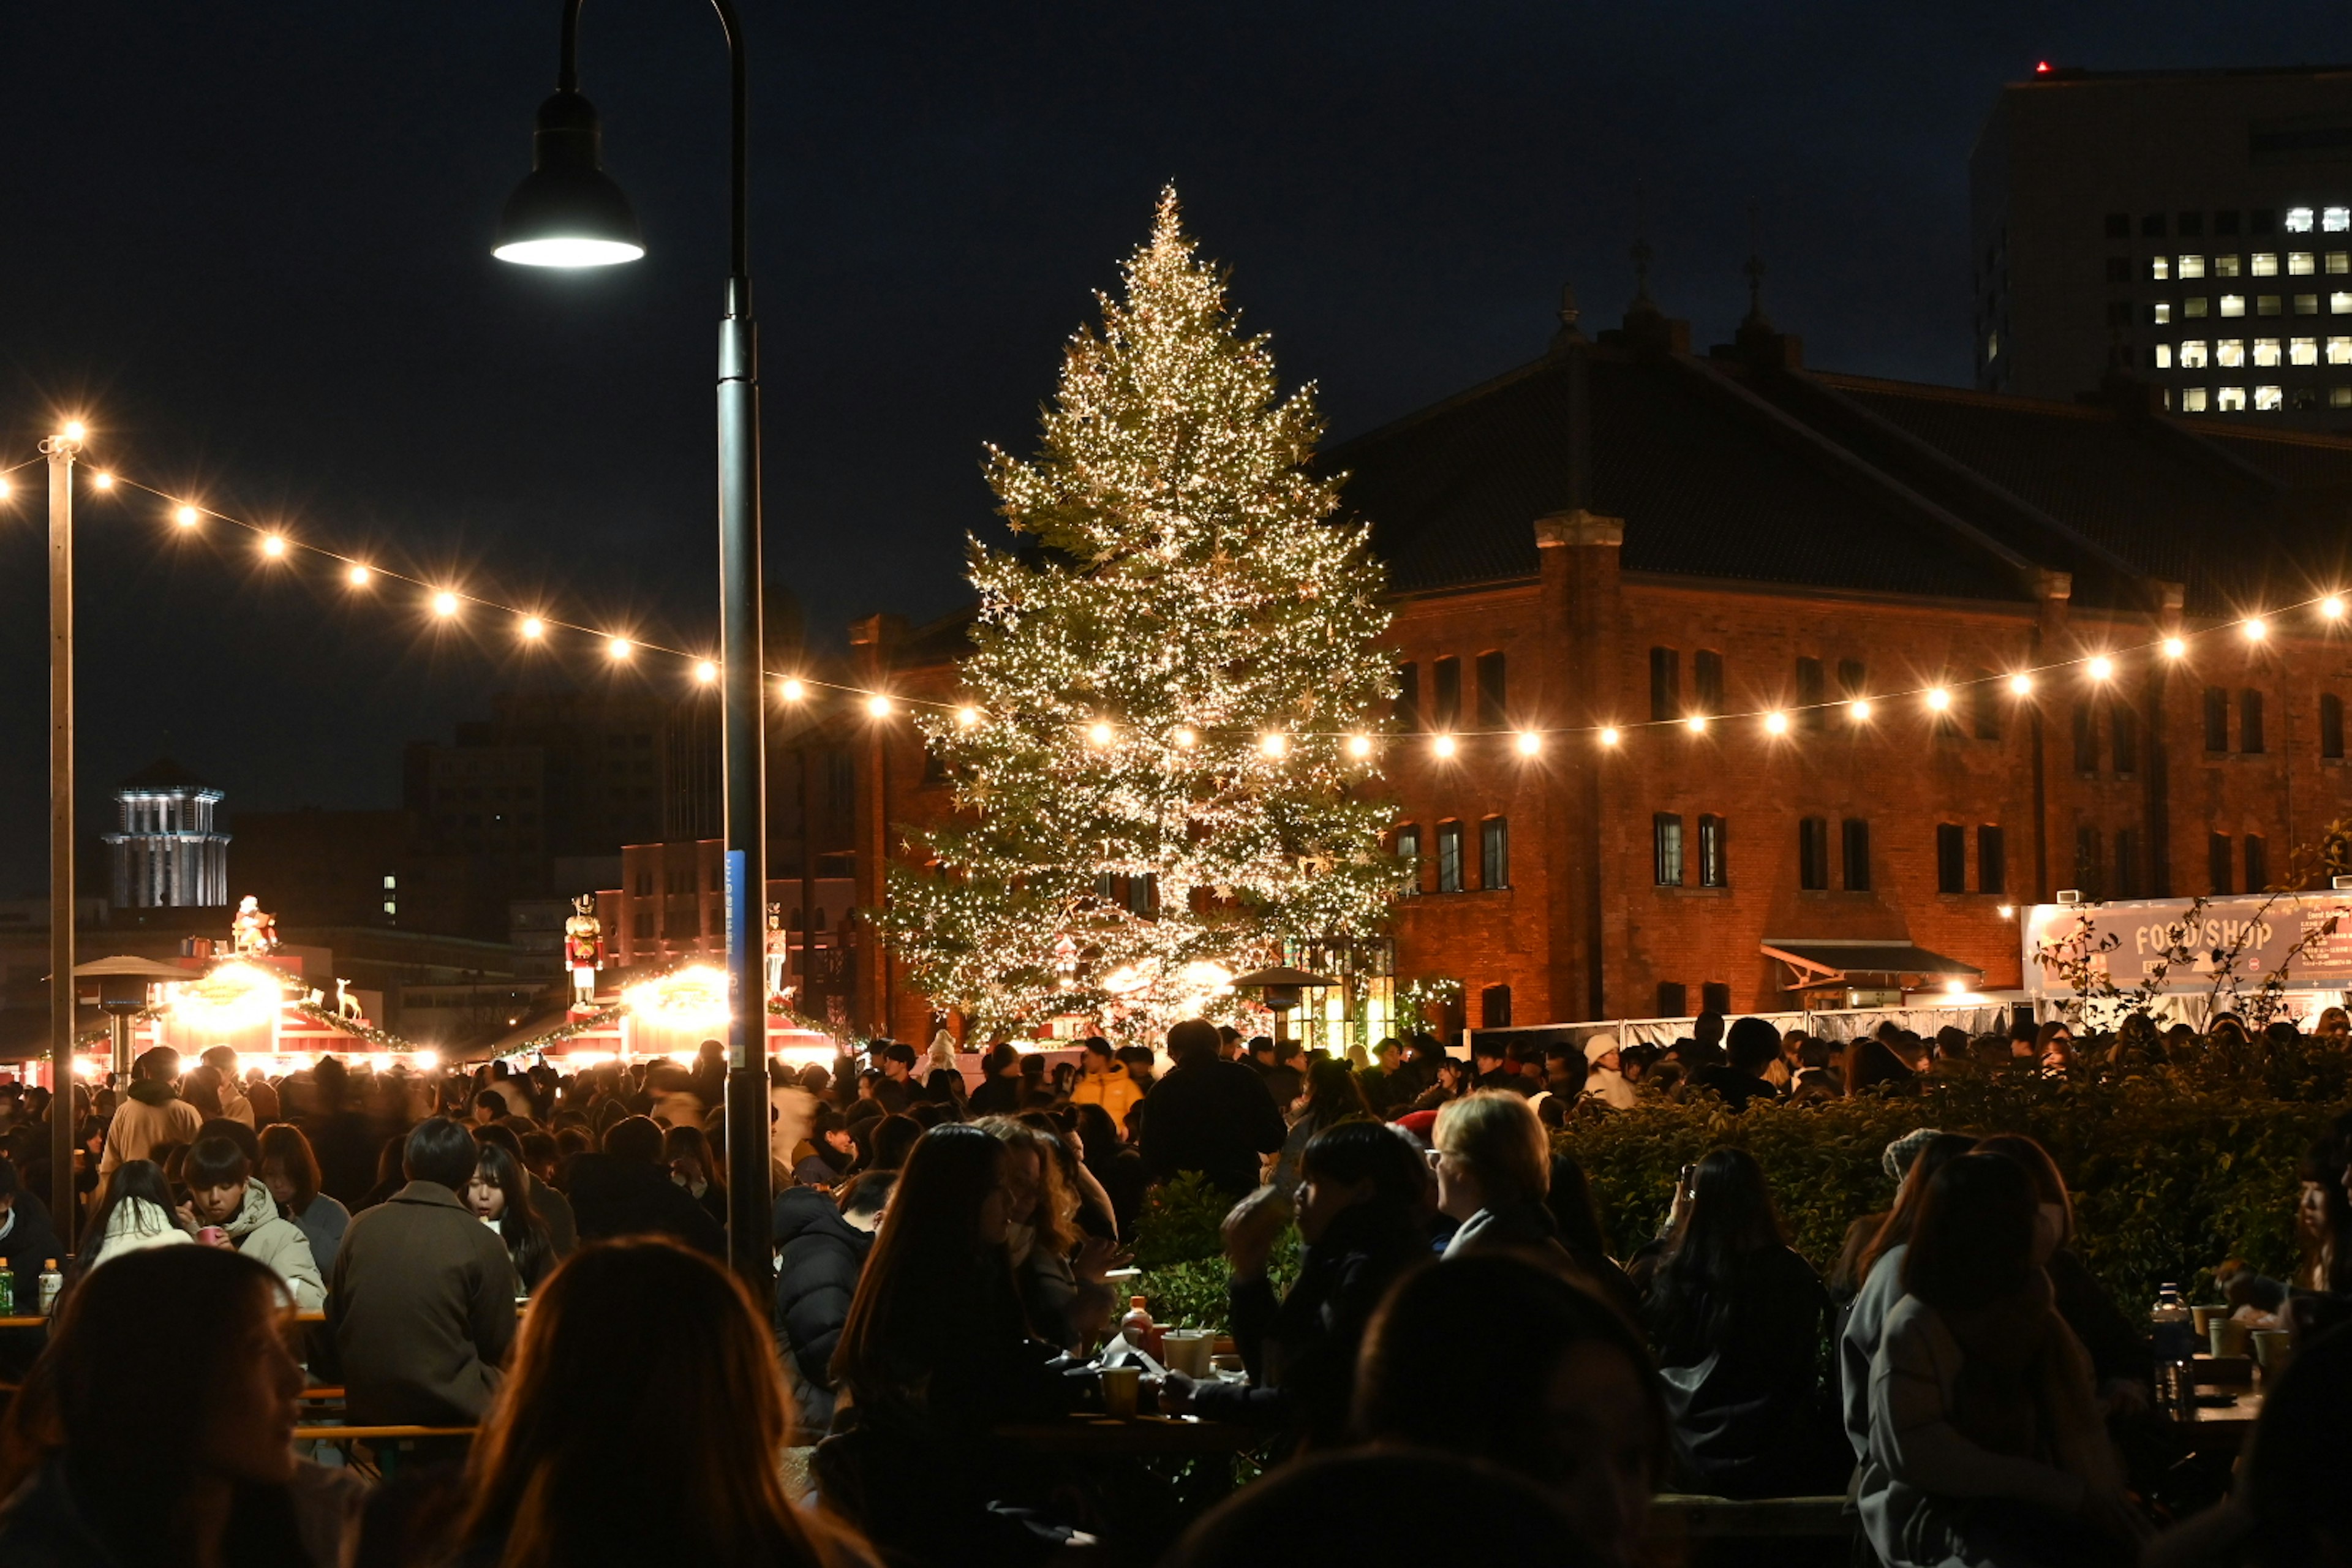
(1896, 1160)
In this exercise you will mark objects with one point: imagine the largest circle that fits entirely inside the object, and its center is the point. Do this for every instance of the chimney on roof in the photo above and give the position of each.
(1757, 341)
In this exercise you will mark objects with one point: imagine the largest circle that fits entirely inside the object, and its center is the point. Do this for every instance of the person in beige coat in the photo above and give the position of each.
(152, 1113)
(225, 1193)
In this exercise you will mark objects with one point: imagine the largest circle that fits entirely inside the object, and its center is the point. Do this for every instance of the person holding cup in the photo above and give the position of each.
(1359, 1211)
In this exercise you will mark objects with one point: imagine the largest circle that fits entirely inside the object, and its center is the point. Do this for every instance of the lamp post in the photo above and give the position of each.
(568, 213)
(62, 451)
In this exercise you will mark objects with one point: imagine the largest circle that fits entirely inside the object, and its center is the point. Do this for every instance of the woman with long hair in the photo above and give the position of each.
(1737, 1317)
(1880, 1268)
(136, 1446)
(692, 1165)
(644, 1420)
(1332, 1096)
(1058, 1268)
(135, 1214)
(2122, 1363)
(499, 1195)
(1987, 1448)
(1449, 1079)
(290, 1171)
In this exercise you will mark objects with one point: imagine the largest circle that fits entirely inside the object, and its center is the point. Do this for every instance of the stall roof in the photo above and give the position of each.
(1826, 959)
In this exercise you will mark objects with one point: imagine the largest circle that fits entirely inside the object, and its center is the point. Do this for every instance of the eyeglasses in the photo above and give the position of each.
(1434, 1156)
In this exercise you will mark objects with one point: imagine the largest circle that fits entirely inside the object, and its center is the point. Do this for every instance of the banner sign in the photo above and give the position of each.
(2308, 936)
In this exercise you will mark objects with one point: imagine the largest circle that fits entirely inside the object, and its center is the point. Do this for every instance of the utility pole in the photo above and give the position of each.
(62, 451)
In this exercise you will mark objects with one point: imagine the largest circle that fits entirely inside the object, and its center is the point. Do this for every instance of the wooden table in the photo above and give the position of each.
(1173, 1435)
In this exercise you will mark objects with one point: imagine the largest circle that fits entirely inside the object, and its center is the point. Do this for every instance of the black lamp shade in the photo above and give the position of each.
(567, 211)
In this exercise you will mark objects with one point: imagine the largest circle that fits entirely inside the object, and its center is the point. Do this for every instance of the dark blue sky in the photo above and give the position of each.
(252, 241)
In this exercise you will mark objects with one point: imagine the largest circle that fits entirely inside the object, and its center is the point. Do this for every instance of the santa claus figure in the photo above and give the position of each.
(584, 951)
(253, 933)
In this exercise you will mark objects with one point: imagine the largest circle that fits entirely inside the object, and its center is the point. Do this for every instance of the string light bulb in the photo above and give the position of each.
(1860, 710)
(533, 627)
(7, 489)
(878, 706)
(1359, 746)
(792, 689)
(186, 517)
(1609, 735)
(2256, 628)
(2332, 607)
(1443, 745)
(619, 648)
(1939, 700)
(1529, 743)
(445, 604)
(2101, 666)
(2021, 685)
(358, 575)
(101, 480)
(1184, 736)
(75, 430)
(1098, 733)
(705, 671)
(2174, 648)
(1696, 723)
(1776, 723)
(1275, 744)
(273, 545)
(968, 717)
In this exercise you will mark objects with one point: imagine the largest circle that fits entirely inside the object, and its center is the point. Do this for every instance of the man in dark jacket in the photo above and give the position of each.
(627, 1191)
(422, 1303)
(1754, 1046)
(824, 1251)
(1211, 1116)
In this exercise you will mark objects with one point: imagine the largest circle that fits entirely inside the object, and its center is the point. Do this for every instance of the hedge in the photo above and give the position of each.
(2175, 1165)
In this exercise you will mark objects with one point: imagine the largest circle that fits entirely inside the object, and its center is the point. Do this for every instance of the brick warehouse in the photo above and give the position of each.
(1624, 534)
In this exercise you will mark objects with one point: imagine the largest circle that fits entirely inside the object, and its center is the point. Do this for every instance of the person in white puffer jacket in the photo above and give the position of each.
(136, 1214)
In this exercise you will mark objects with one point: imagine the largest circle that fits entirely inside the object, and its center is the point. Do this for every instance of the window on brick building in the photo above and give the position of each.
(2331, 724)
(2127, 868)
(1814, 853)
(1715, 996)
(2219, 861)
(1993, 861)
(642, 925)
(2250, 721)
(1856, 832)
(1408, 843)
(645, 884)
(2087, 856)
(1667, 848)
(1491, 705)
(2123, 736)
(1445, 693)
(1852, 679)
(1984, 698)
(1449, 856)
(1951, 858)
(1674, 999)
(2086, 738)
(2217, 720)
(2258, 864)
(1495, 1007)
(1706, 681)
(1408, 702)
(1714, 853)
(1495, 852)
(1666, 684)
(1812, 693)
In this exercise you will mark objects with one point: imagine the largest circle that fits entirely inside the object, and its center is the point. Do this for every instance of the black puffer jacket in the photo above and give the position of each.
(823, 1255)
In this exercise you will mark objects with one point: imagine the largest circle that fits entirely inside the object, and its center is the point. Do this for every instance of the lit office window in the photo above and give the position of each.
(2335, 220)
(2264, 264)
(2266, 304)
(2233, 304)
(2339, 350)
(2300, 263)
(2339, 398)
(2159, 268)
(2230, 352)
(2192, 354)
(2266, 351)
(2194, 308)
(2161, 313)
(2225, 267)
(2298, 220)
(2193, 267)
(2163, 352)
(2230, 399)
(2307, 304)
(2267, 398)
(2192, 400)
(2303, 351)
(2339, 261)
(2340, 303)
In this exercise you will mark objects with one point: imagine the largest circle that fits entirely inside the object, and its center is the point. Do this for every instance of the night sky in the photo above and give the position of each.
(250, 242)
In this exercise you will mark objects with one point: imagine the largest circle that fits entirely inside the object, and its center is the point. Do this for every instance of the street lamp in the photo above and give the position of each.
(568, 213)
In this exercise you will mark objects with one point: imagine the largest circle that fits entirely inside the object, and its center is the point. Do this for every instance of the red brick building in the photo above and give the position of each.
(1762, 624)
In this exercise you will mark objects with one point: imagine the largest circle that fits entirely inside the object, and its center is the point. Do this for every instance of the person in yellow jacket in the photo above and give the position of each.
(1103, 1080)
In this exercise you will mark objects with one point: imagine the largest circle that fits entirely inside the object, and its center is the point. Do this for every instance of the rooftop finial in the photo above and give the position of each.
(1755, 270)
(1569, 313)
(1642, 304)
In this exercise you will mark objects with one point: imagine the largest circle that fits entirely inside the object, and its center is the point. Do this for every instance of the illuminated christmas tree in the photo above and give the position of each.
(1161, 773)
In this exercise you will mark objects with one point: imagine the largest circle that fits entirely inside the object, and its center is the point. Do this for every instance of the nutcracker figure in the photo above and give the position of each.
(584, 951)
(779, 951)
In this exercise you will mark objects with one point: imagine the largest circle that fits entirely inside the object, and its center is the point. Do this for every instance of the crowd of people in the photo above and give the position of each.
(524, 1267)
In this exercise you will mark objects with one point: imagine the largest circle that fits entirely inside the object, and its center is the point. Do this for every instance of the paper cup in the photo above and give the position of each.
(2202, 1318)
(1186, 1351)
(1120, 1385)
(2227, 1336)
(2274, 1349)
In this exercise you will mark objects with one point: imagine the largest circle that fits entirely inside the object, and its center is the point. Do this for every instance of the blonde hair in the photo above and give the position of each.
(1497, 1135)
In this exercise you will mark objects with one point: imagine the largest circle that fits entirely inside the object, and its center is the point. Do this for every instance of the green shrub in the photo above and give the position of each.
(2172, 1169)
(1182, 1220)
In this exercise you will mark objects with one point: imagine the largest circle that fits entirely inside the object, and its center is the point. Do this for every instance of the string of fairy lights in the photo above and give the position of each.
(450, 601)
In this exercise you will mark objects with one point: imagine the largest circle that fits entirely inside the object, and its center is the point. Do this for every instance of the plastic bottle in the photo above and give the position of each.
(52, 1283)
(1137, 1325)
(7, 1290)
(2172, 1336)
